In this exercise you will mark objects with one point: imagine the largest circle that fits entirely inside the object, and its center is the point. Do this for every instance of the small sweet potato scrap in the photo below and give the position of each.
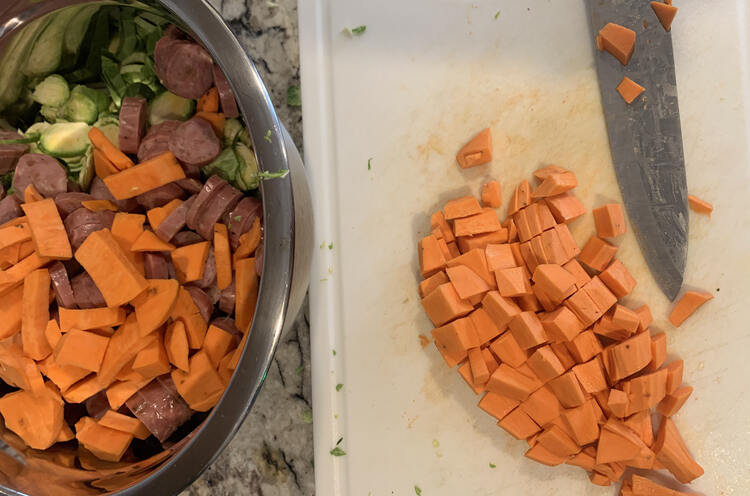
(618, 41)
(688, 304)
(555, 184)
(665, 13)
(629, 90)
(478, 151)
(491, 194)
(671, 452)
(699, 206)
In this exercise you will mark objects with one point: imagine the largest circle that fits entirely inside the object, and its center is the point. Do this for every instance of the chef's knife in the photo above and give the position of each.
(646, 139)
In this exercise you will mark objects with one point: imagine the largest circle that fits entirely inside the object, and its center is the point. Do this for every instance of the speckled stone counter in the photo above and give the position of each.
(272, 455)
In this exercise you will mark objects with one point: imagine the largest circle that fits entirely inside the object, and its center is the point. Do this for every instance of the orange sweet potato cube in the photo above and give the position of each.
(591, 375)
(597, 253)
(484, 325)
(545, 364)
(481, 223)
(457, 337)
(443, 304)
(527, 330)
(431, 257)
(518, 424)
(574, 268)
(497, 405)
(512, 383)
(629, 91)
(672, 402)
(582, 422)
(500, 309)
(602, 297)
(506, 348)
(512, 282)
(618, 41)
(499, 256)
(583, 307)
(584, 346)
(565, 207)
(461, 207)
(609, 220)
(554, 250)
(428, 285)
(466, 282)
(568, 390)
(465, 372)
(556, 282)
(617, 278)
(542, 406)
(555, 184)
(491, 194)
(561, 324)
(478, 151)
(521, 197)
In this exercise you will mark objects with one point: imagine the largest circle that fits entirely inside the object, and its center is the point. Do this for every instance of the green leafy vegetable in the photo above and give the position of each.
(492, 465)
(307, 417)
(300, 369)
(337, 451)
(359, 30)
(273, 175)
(267, 136)
(31, 138)
(330, 245)
(369, 164)
(417, 490)
(293, 96)
(334, 352)
(339, 386)
(497, 14)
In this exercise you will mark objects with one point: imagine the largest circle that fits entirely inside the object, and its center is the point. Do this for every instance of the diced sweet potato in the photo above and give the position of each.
(476, 261)
(444, 305)
(645, 391)
(644, 487)
(481, 223)
(512, 282)
(554, 249)
(497, 405)
(556, 282)
(555, 184)
(699, 206)
(565, 207)
(602, 297)
(609, 220)
(629, 90)
(511, 383)
(437, 221)
(466, 282)
(527, 330)
(81, 349)
(478, 151)
(542, 406)
(507, 349)
(558, 442)
(500, 309)
(672, 403)
(499, 256)
(597, 253)
(461, 207)
(484, 325)
(457, 337)
(479, 371)
(545, 364)
(674, 376)
(491, 194)
(521, 198)
(582, 459)
(428, 285)
(480, 241)
(568, 390)
(201, 387)
(671, 452)
(630, 356)
(618, 279)
(618, 41)
(583, 307)
(465, 372)
(665, 13)
(580, 274)
(539, 453)
(518, 424)
(591, 375)
(582, 422)
(687, 305)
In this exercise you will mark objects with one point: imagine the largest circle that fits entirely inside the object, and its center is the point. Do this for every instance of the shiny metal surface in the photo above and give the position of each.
(646, 139)
(288, 244)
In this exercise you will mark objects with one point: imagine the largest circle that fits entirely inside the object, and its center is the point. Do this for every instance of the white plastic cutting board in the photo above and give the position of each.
(424, 77)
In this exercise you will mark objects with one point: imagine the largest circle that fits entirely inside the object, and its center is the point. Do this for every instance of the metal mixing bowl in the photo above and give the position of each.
(288, 249)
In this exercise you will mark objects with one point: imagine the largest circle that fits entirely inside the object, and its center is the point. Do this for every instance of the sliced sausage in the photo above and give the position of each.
(210, 189)
(241, 218)
(73, 186)
(156, 141)
(189, 68)
(132, 123)
(159, 406)
(175, 221)
(226, 199)
(191, 185)
(228, 325)
(10, 208)
(82, 222)
(226, 95)
(97, 405)
(69, 201)
(43, 171)
(213, 293)
(63, 290)
(9, 154)
(195, 142)
(156, 265)
(160, 196)
(227, 299)
(209, 272)
(86, 292)
(100, 191)
(184, 238)
(2, 192)
(202, 301)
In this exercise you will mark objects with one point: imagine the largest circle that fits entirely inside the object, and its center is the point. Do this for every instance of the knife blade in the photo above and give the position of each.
(646, 138)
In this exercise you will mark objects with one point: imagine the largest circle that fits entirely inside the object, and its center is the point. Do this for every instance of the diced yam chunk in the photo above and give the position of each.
(484, 325)
(461, 207)
(646, 391)
(618, 41)
(674, 376)
(497, 405)
(645, 487)
(618, 279)
(568, 390)
(609, 220)
(466, 282)
(541, 454)
(428, 285)
(105, 443)
(575, 269)
(475, 260)
(500, 309)
(645, 317)
(565, 207)
(481, 223)
(584, 307)
(671, 452)
(591, 375)
(521, 197)
(81, 349)
(527, 330)
(699, 206)
(511, 383)
(617, 443)
(444, 305)
(597, 253)
(665, 13)
(558, 442)
(582, 422)
(480, 241)
(518, 424)
(554, 249)
(545, 364)
(688, 304)
(600, 294)
(431, 257)
(672, 403)
(542, 406)
(658, 351)
(629, 91)
(478, 151)
(584, 460)
(512, 282)
(456, 338)
(507, 349)
(499, 256)
(437, 221)
(479, 371)
(491, 194)
(584, 346)
(556, 282)
(555, 184)
(465, 372)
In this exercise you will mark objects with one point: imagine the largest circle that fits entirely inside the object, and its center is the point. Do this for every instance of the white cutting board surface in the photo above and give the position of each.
(423, 78)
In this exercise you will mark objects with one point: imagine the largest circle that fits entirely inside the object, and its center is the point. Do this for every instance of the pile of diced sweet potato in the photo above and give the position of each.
(534, 324)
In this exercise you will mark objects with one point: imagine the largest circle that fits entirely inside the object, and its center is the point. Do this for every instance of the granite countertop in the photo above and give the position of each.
(272, 454)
